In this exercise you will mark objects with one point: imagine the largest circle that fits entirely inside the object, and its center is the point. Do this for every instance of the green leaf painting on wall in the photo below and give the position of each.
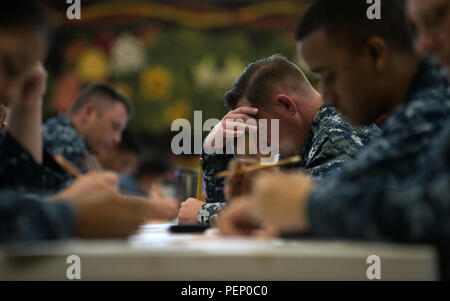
(168, 66)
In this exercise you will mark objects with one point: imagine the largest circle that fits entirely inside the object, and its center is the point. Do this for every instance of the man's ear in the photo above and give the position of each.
(87, 110)
(378, 53)
(287, 103)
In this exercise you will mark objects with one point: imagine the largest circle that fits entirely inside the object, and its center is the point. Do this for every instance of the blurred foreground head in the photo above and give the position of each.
(24, 32)
(365, 65)
(432, 21)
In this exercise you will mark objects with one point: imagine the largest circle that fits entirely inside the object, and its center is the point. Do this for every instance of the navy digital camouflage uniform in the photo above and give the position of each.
(399, 187)
(25, 217)
(330, 142)
(20, 172)
(60, 136)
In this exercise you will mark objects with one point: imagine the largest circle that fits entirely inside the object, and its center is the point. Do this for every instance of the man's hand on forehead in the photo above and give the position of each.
(233, 125)
(243, 113)
(34, 84)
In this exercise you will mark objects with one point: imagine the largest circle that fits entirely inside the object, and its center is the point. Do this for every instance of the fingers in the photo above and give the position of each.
(238, 180)
(171, 208)
(240, 117)
(162, 208)
(233, 134)
(109, 178)
(238, 164)
(105, 178)
(236, 221)
(37, 77)
(235, 125)
(38, 71)
(107, 218)
(32, 88)
(243, 114)
(266, 232)
(189, 200)
(245, 110)
(291, 191)
(189, 211)
(184, 217)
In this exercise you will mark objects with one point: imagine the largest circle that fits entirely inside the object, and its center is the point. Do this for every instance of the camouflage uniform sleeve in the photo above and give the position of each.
(61, 137)
(370, 203)
(27, 218)
(19, 171)
(212, 164)
(208, 213)
(215, 199)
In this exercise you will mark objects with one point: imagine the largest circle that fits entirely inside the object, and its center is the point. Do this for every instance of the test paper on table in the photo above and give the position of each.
(157, 226)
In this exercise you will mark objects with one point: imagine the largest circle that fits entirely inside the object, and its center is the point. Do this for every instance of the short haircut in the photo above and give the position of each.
(260, 78)
(99, 92)
(26, 15)
(347, 21)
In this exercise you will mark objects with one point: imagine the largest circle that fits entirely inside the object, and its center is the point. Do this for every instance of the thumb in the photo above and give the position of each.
(111, 179)
(106, 178)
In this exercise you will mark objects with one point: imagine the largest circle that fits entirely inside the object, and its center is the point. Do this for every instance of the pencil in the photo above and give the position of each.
(291, 160)
(199, 179)
(66, 165)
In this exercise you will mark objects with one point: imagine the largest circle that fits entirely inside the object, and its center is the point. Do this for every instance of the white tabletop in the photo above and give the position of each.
(155, 254)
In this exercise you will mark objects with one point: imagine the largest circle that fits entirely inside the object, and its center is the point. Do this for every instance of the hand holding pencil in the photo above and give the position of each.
(240, 174)
(238, 181)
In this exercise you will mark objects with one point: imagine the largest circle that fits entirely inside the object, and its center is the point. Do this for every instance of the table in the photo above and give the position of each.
(155, 254)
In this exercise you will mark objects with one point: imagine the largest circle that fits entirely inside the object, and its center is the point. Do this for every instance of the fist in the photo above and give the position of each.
(189, 211)
(279, 200)
(29, 90)
(237, 219)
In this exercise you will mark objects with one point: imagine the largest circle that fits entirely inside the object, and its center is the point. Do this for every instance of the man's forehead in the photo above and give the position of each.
(421, 7)
(106, 103)
(112, 109)
(321, 51)
(314, 47)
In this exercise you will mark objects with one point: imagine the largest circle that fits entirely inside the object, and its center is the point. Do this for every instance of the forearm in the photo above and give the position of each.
(415, 211)
(212, 164)
(28, 218)
(208, 213)
(25, 124)
(20, 172)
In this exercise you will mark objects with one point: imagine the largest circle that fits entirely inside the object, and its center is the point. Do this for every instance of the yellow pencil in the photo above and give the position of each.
(199, 179)
(66, 165)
